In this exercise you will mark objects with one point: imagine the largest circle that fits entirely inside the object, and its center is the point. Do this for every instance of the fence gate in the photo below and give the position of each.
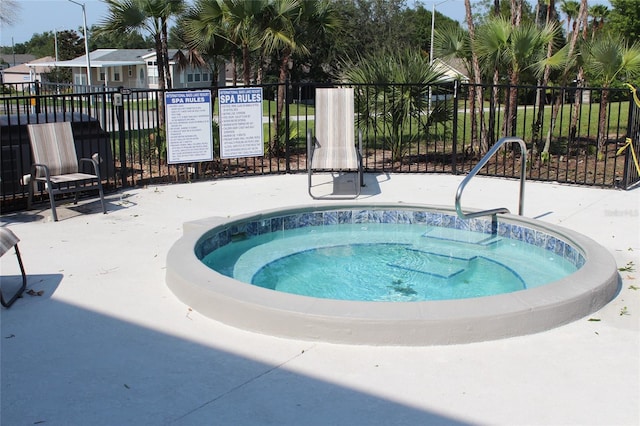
(632, 146)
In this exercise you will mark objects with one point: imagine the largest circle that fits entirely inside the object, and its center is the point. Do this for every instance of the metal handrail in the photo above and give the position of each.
(480, 165)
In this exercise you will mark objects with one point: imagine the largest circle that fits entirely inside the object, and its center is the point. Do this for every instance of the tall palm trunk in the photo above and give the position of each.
(570, 54)
(516, 12)
(165, 56)
(276, 147)
(540, 95)
(602, 120)
(161, 77)
(246, 65)
(514, 76)
(477, 81)
(577, 100)
(234, 69)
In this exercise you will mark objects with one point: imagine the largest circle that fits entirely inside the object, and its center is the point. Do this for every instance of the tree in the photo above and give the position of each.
(454, 42)
(624, 19)
(477, 80)
(599, 13)
(570, 8)
(567, 59)
(132, 40)
(507, 47)
(370, 25)
(238, 23)
(127, 16)
(402, 80)
(610, 58)
(291, 27)
(70, 46)
(507, 9)
(544, 71)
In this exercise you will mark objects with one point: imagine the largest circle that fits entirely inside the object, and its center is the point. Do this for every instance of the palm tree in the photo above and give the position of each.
(599, 13)
(238, 23)
(204, 30)
(402, 80)
(504, 47)
(570, 8)
(544, 71)
(453, 42)
(127, 16)
(172, 8)
(477, 76)
(567, 59)
(290, 27)
(610, 58)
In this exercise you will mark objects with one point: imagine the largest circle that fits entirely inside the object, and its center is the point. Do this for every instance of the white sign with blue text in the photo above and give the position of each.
(241, 122)
(189, 134)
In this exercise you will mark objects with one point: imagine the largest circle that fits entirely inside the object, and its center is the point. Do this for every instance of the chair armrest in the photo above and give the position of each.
(34, 166)
(95, 160)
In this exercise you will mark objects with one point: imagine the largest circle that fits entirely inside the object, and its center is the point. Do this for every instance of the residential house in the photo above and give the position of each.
(131, 68)
(13, 59)
(452, 68)
(23, 73)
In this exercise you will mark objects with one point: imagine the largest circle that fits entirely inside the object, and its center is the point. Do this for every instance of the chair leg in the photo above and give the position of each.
(32, 182)
(101, 192)
(7, 304)
(52, 200)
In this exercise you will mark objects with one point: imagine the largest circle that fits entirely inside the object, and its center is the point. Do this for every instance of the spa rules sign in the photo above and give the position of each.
(189, 134)
(241, 122)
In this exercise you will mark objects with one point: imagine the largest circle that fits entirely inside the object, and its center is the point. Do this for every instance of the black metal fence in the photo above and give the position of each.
(407, 129)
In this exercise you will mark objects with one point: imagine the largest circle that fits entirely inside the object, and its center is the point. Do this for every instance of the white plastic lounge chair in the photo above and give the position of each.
(56, 164)
(7, 240)
(333, 148)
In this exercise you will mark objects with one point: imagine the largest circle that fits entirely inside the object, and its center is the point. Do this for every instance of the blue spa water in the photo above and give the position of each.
(387, 262)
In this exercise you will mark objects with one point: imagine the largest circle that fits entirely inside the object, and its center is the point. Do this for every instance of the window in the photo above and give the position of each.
(189, 78)
(117, 74)
(152, 72)
(102, 75)
(130, 71)
(197, 77)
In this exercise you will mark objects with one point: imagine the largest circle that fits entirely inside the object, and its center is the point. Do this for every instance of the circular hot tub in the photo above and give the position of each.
(591, 282)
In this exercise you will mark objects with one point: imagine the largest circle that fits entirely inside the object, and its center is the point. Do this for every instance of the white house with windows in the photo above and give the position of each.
(132, 68)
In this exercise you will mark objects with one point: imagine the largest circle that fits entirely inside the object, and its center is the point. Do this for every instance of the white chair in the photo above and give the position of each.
(333, 147)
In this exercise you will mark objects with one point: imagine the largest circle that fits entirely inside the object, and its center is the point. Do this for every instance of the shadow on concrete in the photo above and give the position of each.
(104, 371)
(38, 286)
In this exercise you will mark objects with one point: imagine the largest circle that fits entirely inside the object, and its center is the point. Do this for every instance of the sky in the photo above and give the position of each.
(39, 16)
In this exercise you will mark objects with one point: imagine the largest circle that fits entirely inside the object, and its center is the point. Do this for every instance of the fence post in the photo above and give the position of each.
(37, 98)
(633, 133)
(454, 133)
(287, 116)
(119, 104)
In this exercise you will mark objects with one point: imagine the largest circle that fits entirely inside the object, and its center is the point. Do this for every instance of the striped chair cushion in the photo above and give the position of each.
(335, 140)
(52, 144)
(7, 240)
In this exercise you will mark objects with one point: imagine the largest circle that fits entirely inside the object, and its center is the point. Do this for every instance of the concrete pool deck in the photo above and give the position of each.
(108, 343)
